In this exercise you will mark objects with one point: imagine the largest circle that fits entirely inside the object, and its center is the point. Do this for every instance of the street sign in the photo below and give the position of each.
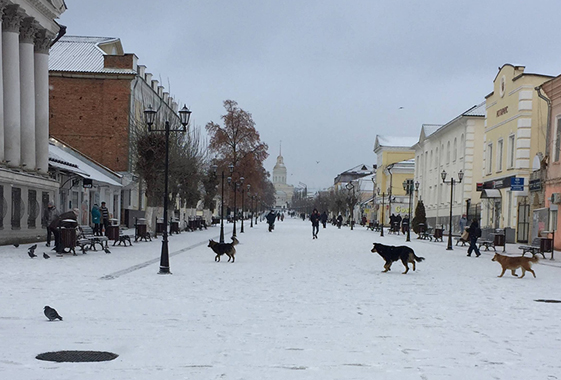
(516, 184)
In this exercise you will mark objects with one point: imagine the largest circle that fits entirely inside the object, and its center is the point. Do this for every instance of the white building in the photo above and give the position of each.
(284, 192)
(28, 30)
(452, 147)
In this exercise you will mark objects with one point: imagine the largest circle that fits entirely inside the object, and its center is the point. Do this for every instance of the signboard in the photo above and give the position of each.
(517, 184)
(87, 183)
(502, 183)
(535, 184)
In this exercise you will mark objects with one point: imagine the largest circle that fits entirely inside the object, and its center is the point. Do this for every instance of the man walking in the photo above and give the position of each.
(315, 217)
(104, 217)
(50, 214)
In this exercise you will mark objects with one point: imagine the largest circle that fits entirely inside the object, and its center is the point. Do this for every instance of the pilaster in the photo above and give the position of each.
(27, 88)
(42, 42)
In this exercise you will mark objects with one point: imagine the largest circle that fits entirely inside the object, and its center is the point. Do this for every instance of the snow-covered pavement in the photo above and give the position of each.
(289, 308)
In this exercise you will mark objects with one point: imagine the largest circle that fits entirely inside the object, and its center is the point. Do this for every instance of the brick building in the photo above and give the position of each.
(97, 98)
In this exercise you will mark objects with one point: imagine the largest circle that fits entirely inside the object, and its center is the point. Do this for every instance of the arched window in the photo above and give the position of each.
(448, 153)
(462, 146)
(455, 151)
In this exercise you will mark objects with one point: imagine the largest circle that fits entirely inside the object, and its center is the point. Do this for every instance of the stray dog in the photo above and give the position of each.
(514, 263)
(227, 249)
(392, 253)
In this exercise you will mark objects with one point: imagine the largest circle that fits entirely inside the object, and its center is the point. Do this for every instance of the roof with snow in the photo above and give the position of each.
(85, 54)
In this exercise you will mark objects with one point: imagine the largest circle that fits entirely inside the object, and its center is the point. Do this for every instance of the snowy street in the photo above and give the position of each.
(289, 308)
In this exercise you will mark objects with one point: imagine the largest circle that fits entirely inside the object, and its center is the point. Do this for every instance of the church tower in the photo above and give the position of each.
(284, 192)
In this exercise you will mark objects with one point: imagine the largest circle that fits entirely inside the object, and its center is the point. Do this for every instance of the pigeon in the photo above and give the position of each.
(33, 248)
(16, 245)
(51, 313)
(106, 250)
(31, 254)
(45, 256)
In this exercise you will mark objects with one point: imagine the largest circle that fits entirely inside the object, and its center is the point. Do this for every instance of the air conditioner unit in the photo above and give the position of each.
(556, 198)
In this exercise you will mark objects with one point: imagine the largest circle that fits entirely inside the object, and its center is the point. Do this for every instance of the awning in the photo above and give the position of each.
(491, 193)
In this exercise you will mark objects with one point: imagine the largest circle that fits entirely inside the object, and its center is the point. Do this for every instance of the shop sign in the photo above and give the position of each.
(535, 184)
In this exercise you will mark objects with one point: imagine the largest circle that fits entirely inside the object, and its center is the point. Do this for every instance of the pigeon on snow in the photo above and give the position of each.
(45, 256)
(16, 245)
(51, 313)
(106, 250)
(31, 254)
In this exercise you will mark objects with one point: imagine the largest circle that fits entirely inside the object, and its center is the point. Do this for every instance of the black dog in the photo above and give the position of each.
(224, 249)
(392, 253)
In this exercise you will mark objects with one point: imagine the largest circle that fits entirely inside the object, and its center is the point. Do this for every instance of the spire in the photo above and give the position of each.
(280, 148)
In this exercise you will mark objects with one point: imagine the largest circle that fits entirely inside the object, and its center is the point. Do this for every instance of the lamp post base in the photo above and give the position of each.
(164, 270)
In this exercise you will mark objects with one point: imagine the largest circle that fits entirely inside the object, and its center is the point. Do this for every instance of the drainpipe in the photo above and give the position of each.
(61, 33)
(547, 132)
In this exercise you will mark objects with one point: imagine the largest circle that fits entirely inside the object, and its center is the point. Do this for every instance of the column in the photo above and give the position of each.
(42, 43)
(27, 93)
(2, 137)
(10, 75)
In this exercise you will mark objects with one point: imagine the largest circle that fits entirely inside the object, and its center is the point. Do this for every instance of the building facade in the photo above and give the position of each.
(283, 191)
(453, 147)
(28, 31)
(513, 151)
(97, 101)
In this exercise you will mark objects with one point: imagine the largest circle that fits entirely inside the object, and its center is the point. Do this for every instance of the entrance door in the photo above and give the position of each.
(523, 228)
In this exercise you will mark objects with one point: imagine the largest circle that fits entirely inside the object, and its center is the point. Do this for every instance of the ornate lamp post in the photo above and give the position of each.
(150, 116)
(382, 226)
(408, 187)
(248, 186)
(251, 208)
(452, 182)
(351, 188)
(235, 185)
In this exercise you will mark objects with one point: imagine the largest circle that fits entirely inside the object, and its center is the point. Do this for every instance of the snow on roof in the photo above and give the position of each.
(478, 110)
(397, 141)
(82, 54)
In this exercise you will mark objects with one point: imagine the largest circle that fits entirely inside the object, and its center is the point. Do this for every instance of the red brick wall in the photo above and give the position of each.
(92, 116)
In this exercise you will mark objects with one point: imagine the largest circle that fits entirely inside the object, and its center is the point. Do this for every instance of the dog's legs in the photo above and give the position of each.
(217, 258)
(523, 272)
(532, 271)
(412, 260)
(513, 271)
(503, 272)
(387, 266)
(404, 261)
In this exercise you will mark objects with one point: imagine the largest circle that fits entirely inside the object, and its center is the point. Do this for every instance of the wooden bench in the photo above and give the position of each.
(87, 240)
(487, 244)
(461, 240)
(534, 248)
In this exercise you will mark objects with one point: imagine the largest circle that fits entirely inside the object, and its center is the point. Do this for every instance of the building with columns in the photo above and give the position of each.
(284, 192)
(28, 30)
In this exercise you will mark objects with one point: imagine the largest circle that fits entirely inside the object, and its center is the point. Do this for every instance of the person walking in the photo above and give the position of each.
(315, 217)
(271, 217)
(474, 234)
(65, 220)
(96, 220)
(104, 217)
(339, 221)
(50, 214)
(463, 223)
(323, 219)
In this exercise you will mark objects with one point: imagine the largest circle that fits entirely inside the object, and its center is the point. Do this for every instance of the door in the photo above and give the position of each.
(523, 224)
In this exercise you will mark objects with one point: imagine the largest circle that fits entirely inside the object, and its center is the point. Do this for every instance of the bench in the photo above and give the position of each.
(87, 240)
(461, 240)
(425, 234)
(534, 248)
(487, 244)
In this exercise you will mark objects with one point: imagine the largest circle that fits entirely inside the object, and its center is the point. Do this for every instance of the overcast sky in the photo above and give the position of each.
(326, 76)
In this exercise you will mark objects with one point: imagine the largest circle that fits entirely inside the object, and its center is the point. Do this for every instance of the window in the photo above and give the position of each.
(455, 151)
(557, 141)
(510, 152)
(436, 159)
(489, 165)
(448, 153)
(500, 155)
(462, 146)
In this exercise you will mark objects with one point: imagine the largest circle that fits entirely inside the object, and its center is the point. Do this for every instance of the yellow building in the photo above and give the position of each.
(514, 146)
(395, 164)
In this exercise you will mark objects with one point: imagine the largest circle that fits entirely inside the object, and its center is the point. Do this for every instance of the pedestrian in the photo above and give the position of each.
(315, 217)
(339, 221)
(405, 224)
(323, 219)
(65, 220)
(398, 220)
(463, 223)
(271, 217)
(49, 215)
(474, 234)
(104, 217)
(96, 220)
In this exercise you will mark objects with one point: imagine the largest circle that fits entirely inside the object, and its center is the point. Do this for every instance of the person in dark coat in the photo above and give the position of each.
(50, 214)
(315, 217)
(271, 217)
(104, 216)
(474, 234)
(65, 220)
(339, 221)
(323, 218)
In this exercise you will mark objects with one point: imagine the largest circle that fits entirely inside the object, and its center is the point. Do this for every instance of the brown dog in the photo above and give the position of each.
(227, 249)
(514, 263)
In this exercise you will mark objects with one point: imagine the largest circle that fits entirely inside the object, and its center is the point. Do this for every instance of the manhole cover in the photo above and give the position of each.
(77, 356)
(549, 301)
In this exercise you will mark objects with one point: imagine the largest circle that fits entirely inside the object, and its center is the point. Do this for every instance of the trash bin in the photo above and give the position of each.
(499, 239)
(174, 227)
(68, 238)
(112, 233)
(546, 244)
(140, 229)
(160, 226)
(438, 233)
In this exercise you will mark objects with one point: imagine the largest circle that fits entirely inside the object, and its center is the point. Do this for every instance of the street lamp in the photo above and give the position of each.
(382, 226)
(452, 182)
(252, 197)
(235, 185)
(150, 116)
(350, 187)
(408, 187)
(241, 179)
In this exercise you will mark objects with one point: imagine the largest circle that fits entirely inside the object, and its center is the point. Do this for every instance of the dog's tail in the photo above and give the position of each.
(535, 259)
(417, 258)
(235, 241)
